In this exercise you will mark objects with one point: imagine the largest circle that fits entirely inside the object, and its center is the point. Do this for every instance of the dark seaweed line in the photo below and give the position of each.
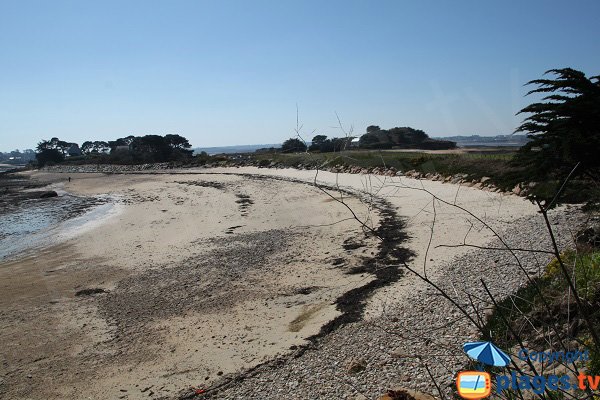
(384, 265)
(351, 304)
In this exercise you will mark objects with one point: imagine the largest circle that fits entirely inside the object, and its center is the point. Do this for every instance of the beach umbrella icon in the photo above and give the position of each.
(486, 353)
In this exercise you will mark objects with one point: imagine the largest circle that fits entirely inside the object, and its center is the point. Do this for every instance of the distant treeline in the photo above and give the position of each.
(405, 137)
(374, 138)
(17, 157)
(127, 150)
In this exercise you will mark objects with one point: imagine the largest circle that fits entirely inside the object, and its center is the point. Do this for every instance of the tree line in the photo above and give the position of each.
(17, 156)
(130, 149)
(374, 138)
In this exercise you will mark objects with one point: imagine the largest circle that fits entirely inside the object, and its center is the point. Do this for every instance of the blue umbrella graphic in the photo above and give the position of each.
(486, 353)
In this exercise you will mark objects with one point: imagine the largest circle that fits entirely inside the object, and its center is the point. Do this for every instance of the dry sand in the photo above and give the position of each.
(208, 272)
(205, 275)
(413, 201)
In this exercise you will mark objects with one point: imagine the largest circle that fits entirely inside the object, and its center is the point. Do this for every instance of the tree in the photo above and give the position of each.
(403, 137)
(319, 139)
(101, 146)
(127, 140)
(180, 146)
(370, 140)
(318, 143)
(151, 148)
(54, 144)
(177, 142)
(95, 147)
(43, 145)
(87, 147)
(46, 156)
(564, 127)
(293, 145)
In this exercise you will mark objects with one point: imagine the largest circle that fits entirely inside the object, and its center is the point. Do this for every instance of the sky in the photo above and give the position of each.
(236, 72)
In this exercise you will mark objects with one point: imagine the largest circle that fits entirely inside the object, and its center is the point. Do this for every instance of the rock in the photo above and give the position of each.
(517, 189)
(458, 178)
(50, 193)
(356, 365)
(397, 354)
(484, 179)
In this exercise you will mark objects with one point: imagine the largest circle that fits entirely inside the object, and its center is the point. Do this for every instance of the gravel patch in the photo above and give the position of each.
(425, 329)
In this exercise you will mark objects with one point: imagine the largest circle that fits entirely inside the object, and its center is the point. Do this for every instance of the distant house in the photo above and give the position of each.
(74, 150)
(354, 142)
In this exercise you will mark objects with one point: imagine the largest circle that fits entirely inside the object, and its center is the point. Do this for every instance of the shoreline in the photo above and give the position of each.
(123, 282)
(521, 189)
(372, 281)
(31, 223)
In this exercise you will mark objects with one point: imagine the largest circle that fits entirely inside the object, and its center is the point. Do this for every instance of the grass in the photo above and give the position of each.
(585, 269)
(496, 165)
(525, 308)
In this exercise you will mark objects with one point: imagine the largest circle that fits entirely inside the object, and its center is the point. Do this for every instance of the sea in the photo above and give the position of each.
(8, 167)
(39, 223)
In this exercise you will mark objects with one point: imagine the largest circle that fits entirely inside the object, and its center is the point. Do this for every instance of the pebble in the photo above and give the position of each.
(396, 346)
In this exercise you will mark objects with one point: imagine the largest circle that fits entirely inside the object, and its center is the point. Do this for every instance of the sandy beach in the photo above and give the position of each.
(197, 275)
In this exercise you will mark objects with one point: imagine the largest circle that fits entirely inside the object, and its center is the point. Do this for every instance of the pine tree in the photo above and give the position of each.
(564, 127)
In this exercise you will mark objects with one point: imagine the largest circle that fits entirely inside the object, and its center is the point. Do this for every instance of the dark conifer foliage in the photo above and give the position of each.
(564, 126)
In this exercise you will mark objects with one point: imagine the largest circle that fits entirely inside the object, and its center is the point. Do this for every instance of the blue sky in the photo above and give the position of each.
(232, 72)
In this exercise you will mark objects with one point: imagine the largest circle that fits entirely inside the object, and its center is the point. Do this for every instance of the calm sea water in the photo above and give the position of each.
(42, 222)
(6, 167)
